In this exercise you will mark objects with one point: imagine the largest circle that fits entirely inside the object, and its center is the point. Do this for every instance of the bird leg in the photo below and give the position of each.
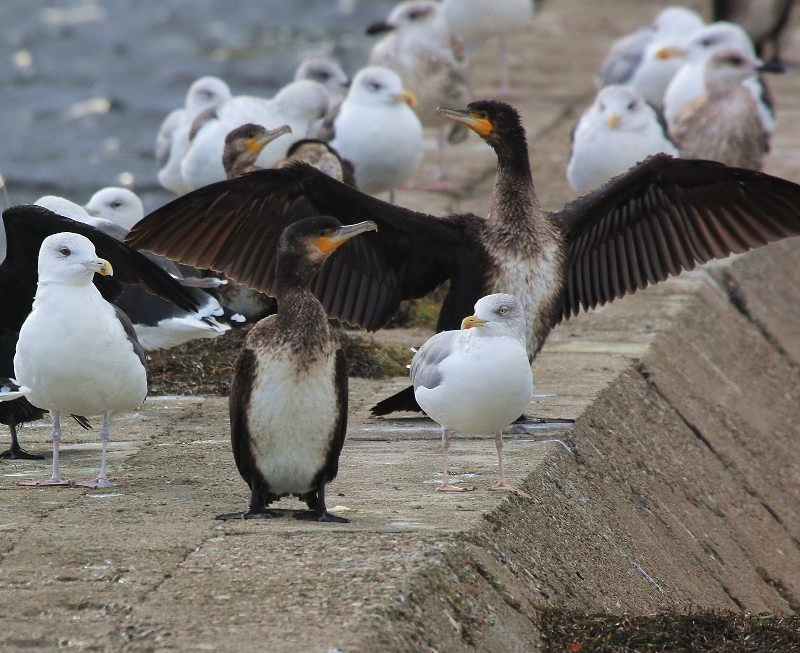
(56, 479)
(15, 452)
(502, 484)
(102, 480)
(446, 486)
(257, 508)
(439, 182)
(317, 510)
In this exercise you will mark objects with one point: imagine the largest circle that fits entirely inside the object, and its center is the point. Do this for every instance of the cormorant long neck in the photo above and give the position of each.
(515, 214)
(298, 307)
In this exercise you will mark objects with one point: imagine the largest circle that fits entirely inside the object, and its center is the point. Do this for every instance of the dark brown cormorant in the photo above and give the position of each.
(244, 144)
(661, 217)
(25, 229)
(288, 399)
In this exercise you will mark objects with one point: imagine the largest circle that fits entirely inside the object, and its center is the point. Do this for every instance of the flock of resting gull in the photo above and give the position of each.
(276, 225)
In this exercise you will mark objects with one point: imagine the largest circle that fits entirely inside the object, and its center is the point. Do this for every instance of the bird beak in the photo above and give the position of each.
(773, 66)
(379, 28)
(472, 321)
(258, 143)
(101, 266)
(343, 234)
(480, 126)
(612, 120)
(670, 53)
(407, 96)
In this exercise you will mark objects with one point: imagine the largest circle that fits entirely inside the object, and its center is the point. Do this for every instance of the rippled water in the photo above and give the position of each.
(84, 84)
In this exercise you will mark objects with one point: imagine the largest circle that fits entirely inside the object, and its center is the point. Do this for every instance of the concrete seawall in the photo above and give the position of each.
(682, 493)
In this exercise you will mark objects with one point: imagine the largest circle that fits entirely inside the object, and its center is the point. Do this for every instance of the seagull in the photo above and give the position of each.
(172, 139)
(77, 353)
(25, 227)
(723, 124)
(763, 20)
(476, 21)
(688, 82)
(159, 323)
(649, 57)
(378, 131)
(476, 380)
(116, 204)
(301, 104)
(616, 132)
(325, 71)
(421, 49)
(663, 216)
(288, 399)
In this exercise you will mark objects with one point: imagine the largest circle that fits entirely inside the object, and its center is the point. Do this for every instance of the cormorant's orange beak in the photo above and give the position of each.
(480, 125)
(340, 236)
(258, 143)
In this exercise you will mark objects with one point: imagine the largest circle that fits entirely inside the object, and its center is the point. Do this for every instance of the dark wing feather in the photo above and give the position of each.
(27, 226)
(233, 226)
(664, 216)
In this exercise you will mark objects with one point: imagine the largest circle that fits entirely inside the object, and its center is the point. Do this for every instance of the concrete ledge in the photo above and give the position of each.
(682, 494)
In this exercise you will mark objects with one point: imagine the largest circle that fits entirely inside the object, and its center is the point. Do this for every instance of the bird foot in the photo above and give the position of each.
(94, 484)
(505, 487)
(48, 482)
(246, 514)
(19, 454)
(447, 487)
(319, 515)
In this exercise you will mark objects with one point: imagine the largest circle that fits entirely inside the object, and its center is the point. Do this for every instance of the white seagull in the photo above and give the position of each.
(616, 132)
(301, 104)
(421, 49)
(377, 130)
(172, 139)
(688, 83)
(159, 324)
(648, 57)
(325, 71)
(77, 353)
(476, 380)
(116, 204)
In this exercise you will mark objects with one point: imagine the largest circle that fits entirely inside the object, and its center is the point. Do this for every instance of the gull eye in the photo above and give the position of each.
(375, 86)
(502, 310)
(64, 251)
(116, 204)
(631, 105)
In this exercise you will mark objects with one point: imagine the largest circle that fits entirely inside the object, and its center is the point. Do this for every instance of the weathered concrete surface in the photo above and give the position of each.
(676, 488)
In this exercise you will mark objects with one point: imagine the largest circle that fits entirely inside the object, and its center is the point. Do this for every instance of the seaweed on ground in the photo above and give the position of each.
(576, 632)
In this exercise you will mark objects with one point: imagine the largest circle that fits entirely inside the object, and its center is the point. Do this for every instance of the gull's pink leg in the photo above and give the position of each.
(446, 486)
(101, 480)
(501, 483)
(56, 480)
